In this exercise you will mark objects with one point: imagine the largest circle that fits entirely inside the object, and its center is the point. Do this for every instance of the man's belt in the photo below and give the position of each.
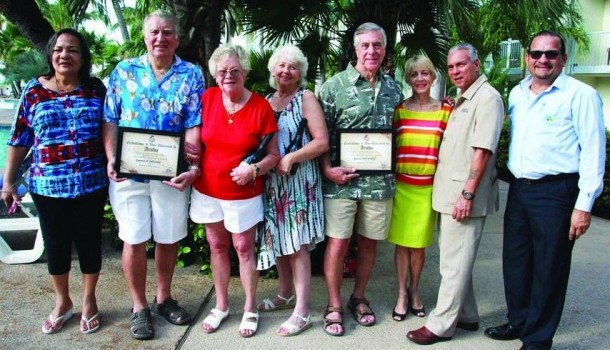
(547, 178)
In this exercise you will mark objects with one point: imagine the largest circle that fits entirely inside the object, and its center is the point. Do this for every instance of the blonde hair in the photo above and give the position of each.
(422, 62)
(290, 53)
(227, 50)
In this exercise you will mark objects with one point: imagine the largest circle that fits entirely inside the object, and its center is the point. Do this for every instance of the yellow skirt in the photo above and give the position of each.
(412, 216)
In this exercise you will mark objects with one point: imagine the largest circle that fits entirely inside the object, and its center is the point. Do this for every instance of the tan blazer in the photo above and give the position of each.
(476, 121)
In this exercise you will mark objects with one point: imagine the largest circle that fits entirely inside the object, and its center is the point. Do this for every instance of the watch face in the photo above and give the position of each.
(467, 195)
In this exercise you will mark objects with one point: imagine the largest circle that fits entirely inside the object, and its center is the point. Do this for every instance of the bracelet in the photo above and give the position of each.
(255, 171)
(195, 167)
(9, 189)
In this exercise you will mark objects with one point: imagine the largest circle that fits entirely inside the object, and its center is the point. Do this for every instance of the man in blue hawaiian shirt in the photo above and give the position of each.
(156, 91)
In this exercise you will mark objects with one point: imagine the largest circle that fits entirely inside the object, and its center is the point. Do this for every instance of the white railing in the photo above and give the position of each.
(511, 52)
(596, 60)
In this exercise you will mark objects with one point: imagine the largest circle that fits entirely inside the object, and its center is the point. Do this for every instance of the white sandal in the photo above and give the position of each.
(267, 305)
(246, 325)
(294, 329)
(214, 319)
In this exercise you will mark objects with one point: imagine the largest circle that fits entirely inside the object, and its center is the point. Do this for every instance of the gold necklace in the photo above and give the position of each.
(230, 112)
(231, 109)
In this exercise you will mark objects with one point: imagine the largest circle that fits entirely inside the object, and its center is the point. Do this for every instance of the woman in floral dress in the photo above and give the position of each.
(294, 215)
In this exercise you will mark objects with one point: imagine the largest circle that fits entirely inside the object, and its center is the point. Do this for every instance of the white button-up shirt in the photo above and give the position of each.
(560, 130)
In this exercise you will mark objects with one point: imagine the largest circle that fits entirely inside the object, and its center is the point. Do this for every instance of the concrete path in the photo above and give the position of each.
(26, 298)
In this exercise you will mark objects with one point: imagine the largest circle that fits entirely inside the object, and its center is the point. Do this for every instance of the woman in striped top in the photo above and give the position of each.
(419, 122)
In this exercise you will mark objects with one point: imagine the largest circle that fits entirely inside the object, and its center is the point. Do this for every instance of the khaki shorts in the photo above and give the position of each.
(372, 218)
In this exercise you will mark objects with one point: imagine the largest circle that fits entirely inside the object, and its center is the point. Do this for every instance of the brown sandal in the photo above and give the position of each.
(328, 321)
(353, 304)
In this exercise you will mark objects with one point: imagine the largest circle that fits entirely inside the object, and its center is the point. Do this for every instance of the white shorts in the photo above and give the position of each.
(238, 214)
(149, 209)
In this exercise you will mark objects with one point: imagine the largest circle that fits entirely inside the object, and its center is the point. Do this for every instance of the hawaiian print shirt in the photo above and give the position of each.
(135, 98)
(348, 101)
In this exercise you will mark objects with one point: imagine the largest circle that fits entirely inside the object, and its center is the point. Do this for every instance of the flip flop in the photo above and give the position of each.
(214, 319)
(85, 325)
(248, 325)
(268, 305)
(294, 329)
(53, 325)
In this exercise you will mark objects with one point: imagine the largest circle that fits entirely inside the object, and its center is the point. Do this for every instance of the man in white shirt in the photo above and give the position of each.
(556, 156)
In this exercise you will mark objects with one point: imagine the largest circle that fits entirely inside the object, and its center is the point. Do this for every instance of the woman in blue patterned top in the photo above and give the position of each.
(59, 120)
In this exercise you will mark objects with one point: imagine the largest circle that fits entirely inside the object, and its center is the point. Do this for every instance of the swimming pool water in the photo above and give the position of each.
(4, 132)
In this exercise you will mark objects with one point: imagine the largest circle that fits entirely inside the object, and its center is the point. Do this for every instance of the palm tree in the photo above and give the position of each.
(324, 29)
(78, 8)
(27, 17)
(202, 23)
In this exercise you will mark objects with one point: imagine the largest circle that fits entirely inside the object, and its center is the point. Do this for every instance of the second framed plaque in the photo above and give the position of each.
(148, 154)
(370, 151)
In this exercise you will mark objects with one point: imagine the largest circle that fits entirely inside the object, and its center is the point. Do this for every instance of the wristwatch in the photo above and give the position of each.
(467, 195)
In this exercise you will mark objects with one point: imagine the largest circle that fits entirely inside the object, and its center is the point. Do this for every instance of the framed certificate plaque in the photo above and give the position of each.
(148, 154)
(370, 151)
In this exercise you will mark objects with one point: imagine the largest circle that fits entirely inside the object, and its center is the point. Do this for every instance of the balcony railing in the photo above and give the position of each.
(511, 51)
(511, 57)
(594, 62)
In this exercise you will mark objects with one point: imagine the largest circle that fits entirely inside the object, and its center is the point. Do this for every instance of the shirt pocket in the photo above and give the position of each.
(459, 176)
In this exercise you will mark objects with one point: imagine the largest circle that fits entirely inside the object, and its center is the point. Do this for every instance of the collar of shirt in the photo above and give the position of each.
(353, 75)
(474, 87)
(559, 83)
(177, 66)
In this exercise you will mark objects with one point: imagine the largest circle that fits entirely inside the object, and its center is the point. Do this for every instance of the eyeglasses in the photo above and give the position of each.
(551, 54)
(223, 73)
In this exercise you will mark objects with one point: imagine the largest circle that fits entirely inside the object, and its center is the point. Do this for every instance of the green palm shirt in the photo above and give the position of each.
(348, 101)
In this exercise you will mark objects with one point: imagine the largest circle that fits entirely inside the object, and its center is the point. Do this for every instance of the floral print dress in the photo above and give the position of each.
(294, 213)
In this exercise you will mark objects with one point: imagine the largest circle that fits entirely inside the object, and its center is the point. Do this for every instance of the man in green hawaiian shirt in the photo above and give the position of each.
(360, 97)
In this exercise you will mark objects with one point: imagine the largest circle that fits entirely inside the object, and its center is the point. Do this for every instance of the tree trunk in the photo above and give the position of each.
(26, 16)
(121, 20)
(200, 30)
(211, 38)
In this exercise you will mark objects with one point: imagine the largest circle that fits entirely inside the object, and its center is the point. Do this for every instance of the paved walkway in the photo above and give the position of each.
(27, 297)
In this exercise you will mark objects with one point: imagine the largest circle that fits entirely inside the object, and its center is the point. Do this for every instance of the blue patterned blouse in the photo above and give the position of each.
(64, 133)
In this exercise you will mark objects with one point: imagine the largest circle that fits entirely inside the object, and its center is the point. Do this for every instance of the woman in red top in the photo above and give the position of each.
(227, 197)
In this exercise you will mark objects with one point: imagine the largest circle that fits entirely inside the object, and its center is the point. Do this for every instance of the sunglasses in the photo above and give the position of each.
(551, 55)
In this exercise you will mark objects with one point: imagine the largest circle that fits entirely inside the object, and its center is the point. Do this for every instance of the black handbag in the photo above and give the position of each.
(259, 152)
(296, 143)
